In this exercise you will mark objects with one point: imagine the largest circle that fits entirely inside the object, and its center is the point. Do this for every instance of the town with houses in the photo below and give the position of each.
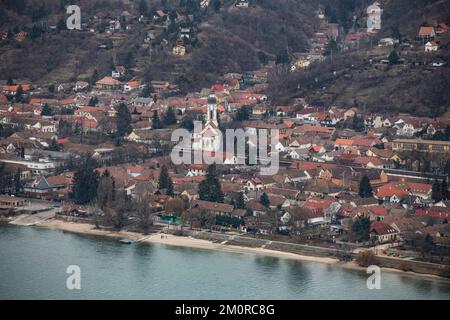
(348, 178)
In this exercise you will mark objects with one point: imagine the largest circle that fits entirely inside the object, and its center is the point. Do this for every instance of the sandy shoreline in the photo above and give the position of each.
(190, 242)
(178, 241)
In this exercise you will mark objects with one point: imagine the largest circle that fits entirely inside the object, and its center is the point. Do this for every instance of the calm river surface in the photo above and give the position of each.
(33, 264)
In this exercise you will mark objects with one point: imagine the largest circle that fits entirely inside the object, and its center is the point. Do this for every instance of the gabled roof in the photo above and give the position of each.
(426, 31)
(437, 213)
(108, 81)
(379, 211)
(381, 228)
(212, 206)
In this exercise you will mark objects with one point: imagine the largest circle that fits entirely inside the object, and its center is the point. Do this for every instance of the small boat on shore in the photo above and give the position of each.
(127, 241)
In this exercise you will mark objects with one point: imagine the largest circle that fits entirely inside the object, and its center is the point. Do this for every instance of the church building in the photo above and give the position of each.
(210, 138)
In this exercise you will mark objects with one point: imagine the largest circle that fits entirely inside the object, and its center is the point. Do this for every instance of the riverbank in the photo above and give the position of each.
(172, 240)
(192, 242)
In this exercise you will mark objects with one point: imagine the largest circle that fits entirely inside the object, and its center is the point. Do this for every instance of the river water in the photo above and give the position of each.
(34, 261)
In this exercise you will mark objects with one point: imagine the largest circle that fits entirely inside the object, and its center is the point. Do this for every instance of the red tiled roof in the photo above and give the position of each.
(390, 190)
(13, 88)
(379, 211)
(108, 81)
(433, 213)
(218, 87)
(426, 31)
(366, 160)
(62, 140)
(344, 142)
(381, 228)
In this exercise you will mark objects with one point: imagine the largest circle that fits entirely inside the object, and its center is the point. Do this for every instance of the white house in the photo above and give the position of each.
(431, 46)
(374, 13)
(253, 184)
(242, 3)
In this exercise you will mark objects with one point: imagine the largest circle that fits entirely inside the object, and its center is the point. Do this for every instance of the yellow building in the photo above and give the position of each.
(419, 145)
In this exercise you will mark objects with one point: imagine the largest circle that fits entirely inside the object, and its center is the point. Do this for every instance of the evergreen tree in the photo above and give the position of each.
(54, 145)
(94, 77)
(156, 122)
(10, 82)
(123, 120)
(216, 5)
(393, 57)
(164, 180)
(365, 188)
(264, 200)
(187, 123)
(10, 34)
(169, 190)
(243, 113)
(85, 182)
(436, 191)
(170, 118)
(358, 123)
(240, 202)
(444, 188)
(263, 58)
(331, 48)
(17, 182)
(210, 188)
(146, 92)
(447, 169)
(36, 32)
(282, 57)
(19, 94)
(61, 25)
(46, 110)
(360, 229)
(173, 15)
(143, 8)
(165, 5)
(129, 59)
(93, 101)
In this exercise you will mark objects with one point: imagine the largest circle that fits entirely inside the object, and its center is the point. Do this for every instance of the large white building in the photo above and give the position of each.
(210, 138)
(374, 13)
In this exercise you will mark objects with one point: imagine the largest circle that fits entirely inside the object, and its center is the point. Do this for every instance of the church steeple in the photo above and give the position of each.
(211, 116)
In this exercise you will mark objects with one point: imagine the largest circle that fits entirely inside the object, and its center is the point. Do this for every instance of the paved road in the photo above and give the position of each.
(35, 219)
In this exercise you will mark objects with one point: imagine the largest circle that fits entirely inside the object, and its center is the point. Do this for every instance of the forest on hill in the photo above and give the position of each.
(349, 78)
(228, 39)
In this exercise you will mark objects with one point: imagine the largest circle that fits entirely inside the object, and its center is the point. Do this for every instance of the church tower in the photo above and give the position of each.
(211, 116)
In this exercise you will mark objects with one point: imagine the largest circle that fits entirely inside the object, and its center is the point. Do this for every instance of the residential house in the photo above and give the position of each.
(431, 46)
(383, 232)
(427, 33)
(108, 83)
(80, 86)
(131, 86)
(253, 184)
(218, 209)
(403, 145)
(179, 50)
(39, 188)
(9, 202)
